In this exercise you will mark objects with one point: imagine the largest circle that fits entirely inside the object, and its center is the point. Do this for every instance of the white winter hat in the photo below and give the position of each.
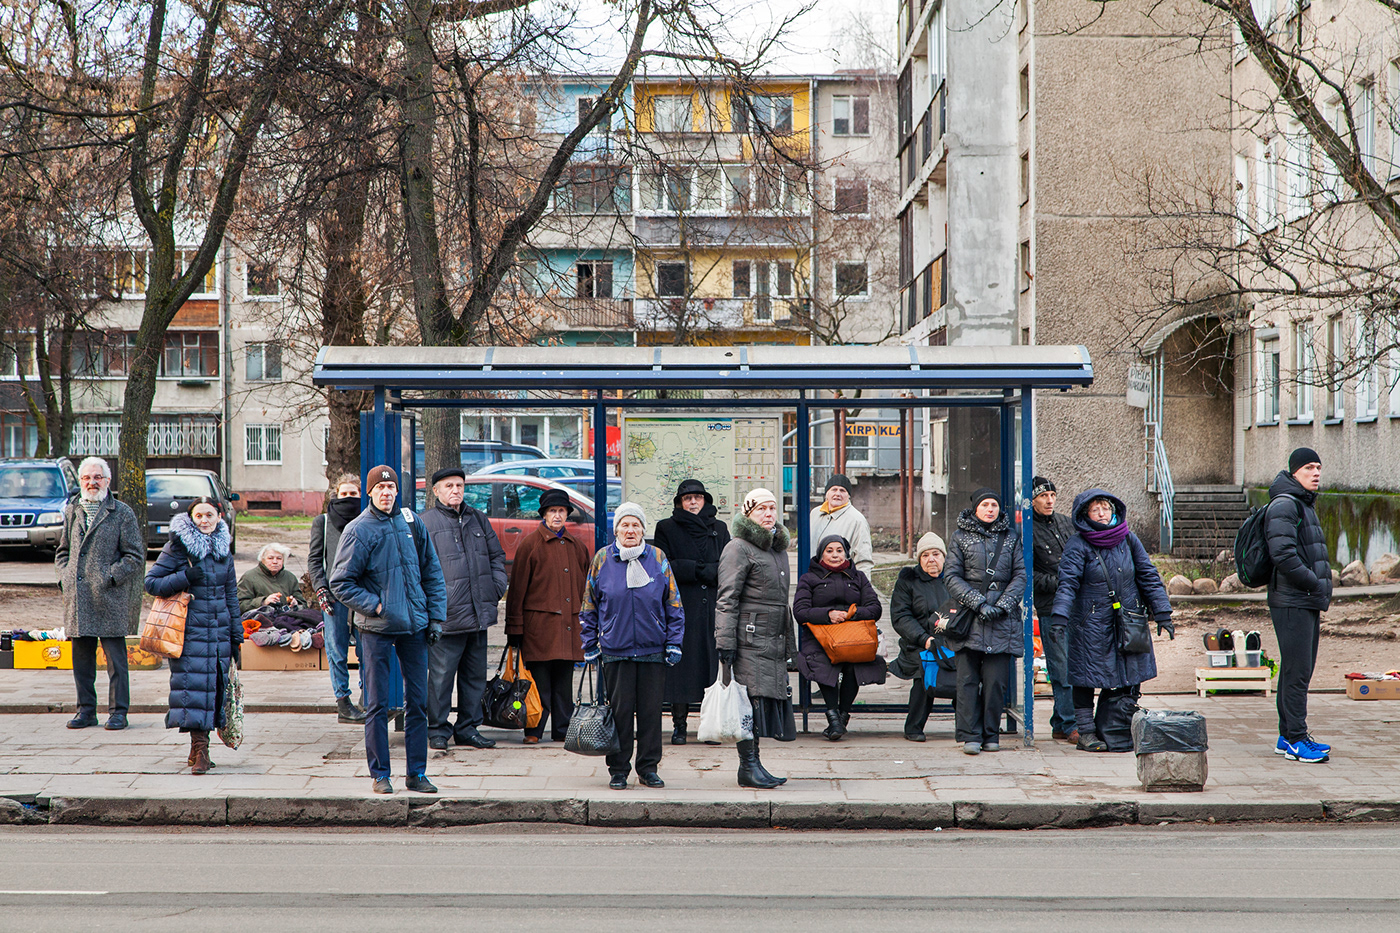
(929, 542)
(757, 497)
(626, 509)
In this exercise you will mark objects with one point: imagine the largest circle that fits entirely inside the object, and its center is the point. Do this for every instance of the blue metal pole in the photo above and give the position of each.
(801, 496)
(600, 473)
(1028, 555)
(1005, 414)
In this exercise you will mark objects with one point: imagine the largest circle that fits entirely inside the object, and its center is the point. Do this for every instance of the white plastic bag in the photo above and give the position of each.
(726, 715)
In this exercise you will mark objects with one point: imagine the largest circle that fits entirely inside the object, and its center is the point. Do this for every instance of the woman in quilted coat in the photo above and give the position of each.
(197, 560)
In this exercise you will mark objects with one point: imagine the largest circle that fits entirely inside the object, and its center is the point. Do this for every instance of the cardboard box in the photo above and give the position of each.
(44, 655)
(1373, 689)
(256, 658)
(136, 659)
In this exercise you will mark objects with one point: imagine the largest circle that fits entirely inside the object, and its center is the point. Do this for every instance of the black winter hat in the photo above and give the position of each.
(445, 472)
(552, 498)
(692, 487)
(839, 479)
(1040, 484)
(986, 492)
(1301, 458)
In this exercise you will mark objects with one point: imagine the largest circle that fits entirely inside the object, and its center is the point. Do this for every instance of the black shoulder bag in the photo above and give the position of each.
(960, 626)
(1134, 632)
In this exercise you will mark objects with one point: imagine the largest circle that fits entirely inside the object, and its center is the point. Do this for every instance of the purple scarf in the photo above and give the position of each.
(1104, 537)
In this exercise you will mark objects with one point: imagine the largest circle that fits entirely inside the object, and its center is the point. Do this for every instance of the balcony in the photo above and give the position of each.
(166, 436)
(925, 293)
(923, 142)
(589, 314)
(669, 314)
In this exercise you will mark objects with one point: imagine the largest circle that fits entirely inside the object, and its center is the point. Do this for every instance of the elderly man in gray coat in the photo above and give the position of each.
(100, 561)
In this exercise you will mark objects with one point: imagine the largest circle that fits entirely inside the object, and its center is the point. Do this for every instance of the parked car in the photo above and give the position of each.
(478, 454)
(549, 469)
(32, 496)
(584, 486)
(512, 505)
(170, 491)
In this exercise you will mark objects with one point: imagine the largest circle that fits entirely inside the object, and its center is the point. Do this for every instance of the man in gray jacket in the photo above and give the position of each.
(474, 569)
(101, 559)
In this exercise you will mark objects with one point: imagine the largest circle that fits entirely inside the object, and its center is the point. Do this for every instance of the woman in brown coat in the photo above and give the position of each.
(542, 607)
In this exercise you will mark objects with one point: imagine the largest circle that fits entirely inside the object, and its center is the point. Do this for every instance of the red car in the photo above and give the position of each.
(512, 504)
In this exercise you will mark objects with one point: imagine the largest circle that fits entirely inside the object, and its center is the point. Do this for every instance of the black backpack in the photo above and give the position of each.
(1252, 561)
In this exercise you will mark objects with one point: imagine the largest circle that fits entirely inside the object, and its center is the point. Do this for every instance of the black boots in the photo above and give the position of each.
(678, 730)
(751, 770)
(347, 712)
(835, 725)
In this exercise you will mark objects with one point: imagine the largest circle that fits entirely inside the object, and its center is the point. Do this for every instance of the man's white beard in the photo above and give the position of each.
(94, 497)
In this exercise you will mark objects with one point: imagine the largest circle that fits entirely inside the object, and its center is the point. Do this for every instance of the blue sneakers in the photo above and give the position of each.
(1305, 749)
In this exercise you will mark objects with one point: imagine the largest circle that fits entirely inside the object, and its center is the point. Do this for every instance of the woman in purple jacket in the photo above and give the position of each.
(633, 621)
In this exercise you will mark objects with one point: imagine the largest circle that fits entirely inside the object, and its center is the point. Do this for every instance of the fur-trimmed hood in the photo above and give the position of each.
(967, 521)
(197, 543)
(760, 537)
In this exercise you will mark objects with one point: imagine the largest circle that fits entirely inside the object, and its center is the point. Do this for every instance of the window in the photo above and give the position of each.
(670, 113)
(1336, 347)
(670, 279)
(1394, 121)
(94, 356)
(736, 178)
(1026, 275)
(190, 355)
(1304, 370)
(17, 359)
(594, 279)
(850, 116)
(1241, 197)
(264, 361)
(741, 288)
(18, 437)
(709, 189)
(262, 280)
(1026, 91)
(852, 196)
(771, 280)
(1367, 375)
(262, 443)
(1393, 364)
(782, 189)
(1331, 182)
(593, 189)
(1267, 379)
(1298, 169)
(585, 106)
(1365, 109)
(1264, 13)
(1265, 186)
(209, 284)
(774, 114)
(666, 190)
(852, 280)
(1025, 177)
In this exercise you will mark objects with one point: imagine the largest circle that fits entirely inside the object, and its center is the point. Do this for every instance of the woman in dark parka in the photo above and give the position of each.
(692, 540)
(825, 593)
(1082, 606)
(197, 560)
(919, 594)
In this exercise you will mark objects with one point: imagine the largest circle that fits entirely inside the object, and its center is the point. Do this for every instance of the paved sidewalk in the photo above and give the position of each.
(302, 768)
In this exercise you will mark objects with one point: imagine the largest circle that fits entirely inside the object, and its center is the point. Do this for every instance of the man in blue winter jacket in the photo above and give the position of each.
(387, 571)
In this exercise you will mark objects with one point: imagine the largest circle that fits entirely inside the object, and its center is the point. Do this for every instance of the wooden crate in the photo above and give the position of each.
(1234, 678)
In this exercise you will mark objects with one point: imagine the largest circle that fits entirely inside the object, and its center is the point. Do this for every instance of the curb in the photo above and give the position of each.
(431, 813)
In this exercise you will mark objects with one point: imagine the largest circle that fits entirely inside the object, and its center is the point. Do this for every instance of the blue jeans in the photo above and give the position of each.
(376, 653)
(338, 642)
(1057, 670)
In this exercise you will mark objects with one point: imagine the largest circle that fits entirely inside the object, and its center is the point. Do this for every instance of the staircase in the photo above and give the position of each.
(1205, 519)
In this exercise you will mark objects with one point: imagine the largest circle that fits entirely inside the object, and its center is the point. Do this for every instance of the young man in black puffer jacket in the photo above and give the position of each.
(1300, 588)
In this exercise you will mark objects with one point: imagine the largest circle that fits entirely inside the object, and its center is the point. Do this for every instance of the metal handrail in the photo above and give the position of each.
(1162, 479)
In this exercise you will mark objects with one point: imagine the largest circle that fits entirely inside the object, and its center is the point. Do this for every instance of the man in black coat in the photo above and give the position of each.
(1051, 531)
(1300, 588)
(341, 510)
(474, 568)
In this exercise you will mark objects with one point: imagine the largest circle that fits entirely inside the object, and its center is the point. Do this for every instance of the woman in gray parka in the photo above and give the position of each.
(753, 627)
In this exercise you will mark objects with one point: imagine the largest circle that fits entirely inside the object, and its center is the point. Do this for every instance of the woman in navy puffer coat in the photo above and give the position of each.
(1083, 607)
(197, 560)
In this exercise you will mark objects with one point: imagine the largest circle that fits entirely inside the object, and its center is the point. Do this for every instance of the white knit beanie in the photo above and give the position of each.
(757, 497)
(632, 509)
(929, 542)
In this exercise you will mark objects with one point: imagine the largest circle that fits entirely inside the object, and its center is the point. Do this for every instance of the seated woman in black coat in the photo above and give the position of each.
(825, 594)
(918, 596)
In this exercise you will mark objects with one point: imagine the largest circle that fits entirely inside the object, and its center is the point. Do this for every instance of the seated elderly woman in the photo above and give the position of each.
(270, 582)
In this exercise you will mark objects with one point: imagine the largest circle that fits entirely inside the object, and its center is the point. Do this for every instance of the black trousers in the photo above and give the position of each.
(635, 690)
(85, 673)
(555, 682)
(841, 698)
(982, 680)
(920, 703)
(1297, 631)
(460, 660)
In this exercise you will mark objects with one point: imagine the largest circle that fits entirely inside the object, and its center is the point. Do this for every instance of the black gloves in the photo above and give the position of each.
(194, 574)
(1058, 626)
(1166, 623)
(726, 655)
(238, 653)
(515, 641)
(434, 632)
(706, 573)
(988, 611)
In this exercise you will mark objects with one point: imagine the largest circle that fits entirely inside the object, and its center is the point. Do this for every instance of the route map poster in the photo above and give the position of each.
(730, 454)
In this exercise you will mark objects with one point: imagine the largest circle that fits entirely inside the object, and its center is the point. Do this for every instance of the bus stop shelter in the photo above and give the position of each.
(798, 379)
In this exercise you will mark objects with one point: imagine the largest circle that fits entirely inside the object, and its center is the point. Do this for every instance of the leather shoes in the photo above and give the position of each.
(475, 740)
(421, 784)
(82, 721)
(651, 779)
(347, 712)
(382, 786)
(618, 782)
(531, 740)
(916, 736)
(438, 742)
(115, 722)
(678, 735)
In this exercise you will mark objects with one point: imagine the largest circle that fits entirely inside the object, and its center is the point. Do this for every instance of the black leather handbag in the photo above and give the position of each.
(503, 703)
(1134, 631)
(592, 731)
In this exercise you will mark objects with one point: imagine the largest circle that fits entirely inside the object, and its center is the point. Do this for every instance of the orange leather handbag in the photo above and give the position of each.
(163, 632)
(852, 642)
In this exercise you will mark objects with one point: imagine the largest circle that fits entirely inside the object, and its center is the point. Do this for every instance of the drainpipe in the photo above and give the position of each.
(225, 382)
(812, 207)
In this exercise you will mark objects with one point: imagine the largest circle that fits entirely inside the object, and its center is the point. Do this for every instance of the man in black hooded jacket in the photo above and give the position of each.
(1300, 588)
(1052, 531)
(320, 558)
